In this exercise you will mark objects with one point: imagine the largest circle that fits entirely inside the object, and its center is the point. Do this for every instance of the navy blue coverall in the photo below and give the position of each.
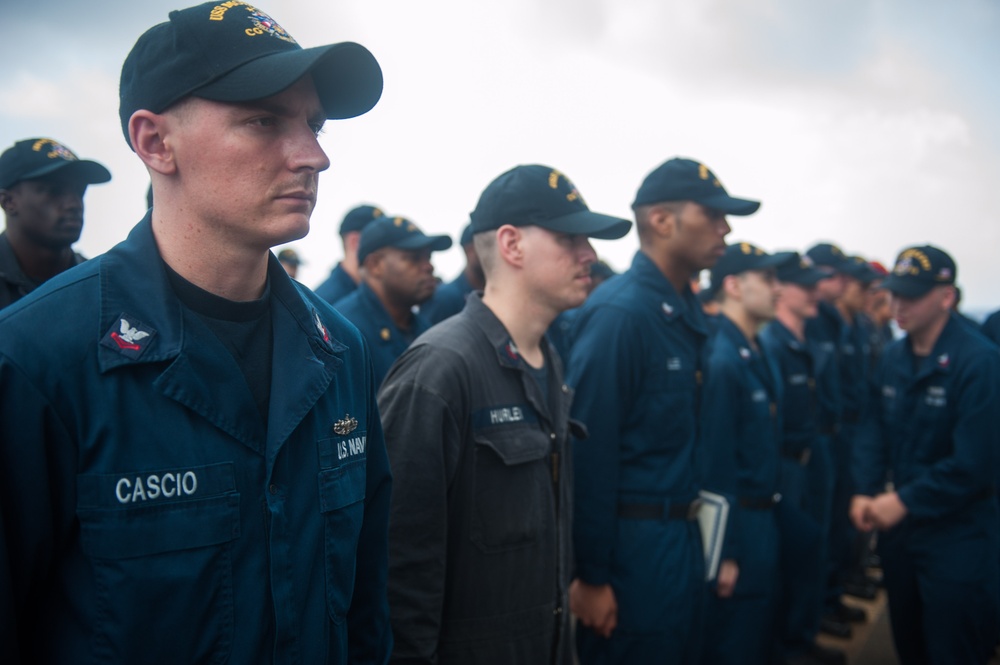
(448, 300)
(337, 286)
(740, 430)
(804, 483)
(635, 365)
(827, 333)
(386, 341)
(935, 435)
(147, 515)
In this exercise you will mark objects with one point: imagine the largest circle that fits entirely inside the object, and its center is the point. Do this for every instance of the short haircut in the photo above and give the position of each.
(642, 213)
(486, 247)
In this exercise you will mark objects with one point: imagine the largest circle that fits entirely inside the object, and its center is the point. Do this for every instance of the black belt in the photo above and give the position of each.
(851, 417)
(829, 429)
(674, 510)
(801, 455)
(759, 502)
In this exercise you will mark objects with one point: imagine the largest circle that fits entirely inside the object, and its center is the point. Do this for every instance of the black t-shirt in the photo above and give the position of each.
(541, 376)
(243, 327)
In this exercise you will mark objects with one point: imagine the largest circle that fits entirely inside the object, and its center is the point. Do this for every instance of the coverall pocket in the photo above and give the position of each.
(341, 499)
(932, 439)
(175, 560)
(673, 393)
(513, 488)
(675, 429)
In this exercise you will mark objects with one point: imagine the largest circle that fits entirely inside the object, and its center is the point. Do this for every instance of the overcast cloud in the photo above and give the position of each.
(871, 124)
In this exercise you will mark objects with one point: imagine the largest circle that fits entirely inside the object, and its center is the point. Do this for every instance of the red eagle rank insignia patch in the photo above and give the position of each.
(323, 332)
(128, 336)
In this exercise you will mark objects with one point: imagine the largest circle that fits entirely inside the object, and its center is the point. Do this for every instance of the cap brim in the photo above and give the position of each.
(907, 288)
(808, 277)
(836, 265)
(590, 224)
(347, 77)
(84, 170)
(730, 205)
(785, 257)
(433, 243)
(861, 273)
(772, 261)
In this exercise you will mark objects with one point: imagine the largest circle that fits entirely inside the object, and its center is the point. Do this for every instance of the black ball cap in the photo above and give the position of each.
(234, 52)
(920, 269)
(800, 270)
(40, 158)
(536, 195)
(397, 232)
(828, 255)
(359, 217)
(683, 179)
(743, 256)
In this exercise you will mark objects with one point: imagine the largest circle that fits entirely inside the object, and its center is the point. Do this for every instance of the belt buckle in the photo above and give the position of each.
(693, 508)
(804, 456)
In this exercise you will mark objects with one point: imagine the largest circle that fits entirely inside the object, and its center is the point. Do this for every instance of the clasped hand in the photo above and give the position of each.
(881, 512)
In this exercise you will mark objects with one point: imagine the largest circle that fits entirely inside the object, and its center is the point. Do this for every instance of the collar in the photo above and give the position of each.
(380, 318)
(136, 298)
(670, 304)
(510, 358)
(340, 275)
(506, 351)
(781, 332)
(462, 283)
(761, 364)
(830, 314)
(10, 269)
(730, 331)
(941, 358)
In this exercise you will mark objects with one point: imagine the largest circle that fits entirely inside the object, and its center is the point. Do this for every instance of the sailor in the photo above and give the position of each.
(741, 429)
(192, 467)
(640, 592)
(934, 436)
(396, 277)
(477, 424)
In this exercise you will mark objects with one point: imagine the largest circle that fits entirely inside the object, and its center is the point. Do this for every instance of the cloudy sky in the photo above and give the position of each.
(873, 124)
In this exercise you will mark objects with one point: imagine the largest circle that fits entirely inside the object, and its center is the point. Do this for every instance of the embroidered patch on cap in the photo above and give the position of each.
(54, 150)
(556, 178)
(705, 173)
(261, 23)
(912, 262)
(128, 336)
(749, 249)
(402, 222)
(265, 25)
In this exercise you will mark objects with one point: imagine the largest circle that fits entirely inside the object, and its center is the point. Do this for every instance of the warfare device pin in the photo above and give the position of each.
(346, 425)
